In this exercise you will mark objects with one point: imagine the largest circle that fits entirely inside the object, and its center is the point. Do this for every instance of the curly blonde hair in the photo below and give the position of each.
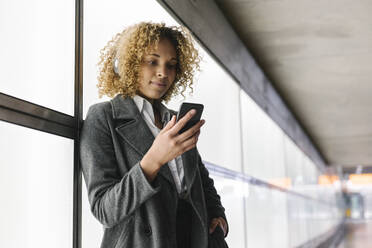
(129, 48)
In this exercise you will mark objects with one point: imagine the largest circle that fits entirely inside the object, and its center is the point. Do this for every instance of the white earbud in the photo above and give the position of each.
(116, 66)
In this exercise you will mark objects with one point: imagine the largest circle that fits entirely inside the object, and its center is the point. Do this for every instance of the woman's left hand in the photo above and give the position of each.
(218, 221)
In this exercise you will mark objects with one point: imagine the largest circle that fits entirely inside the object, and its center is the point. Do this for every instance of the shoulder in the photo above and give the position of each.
(99, 110)
(99, 115)
(96, 125)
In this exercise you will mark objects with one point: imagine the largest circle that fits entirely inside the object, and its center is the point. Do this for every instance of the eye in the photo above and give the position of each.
(151, 62)
(172, 66)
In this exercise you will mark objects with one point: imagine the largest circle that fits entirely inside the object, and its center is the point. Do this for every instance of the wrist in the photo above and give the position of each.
(149, 162)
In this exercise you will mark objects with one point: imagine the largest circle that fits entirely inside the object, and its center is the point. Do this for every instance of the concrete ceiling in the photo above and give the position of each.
(318, 54)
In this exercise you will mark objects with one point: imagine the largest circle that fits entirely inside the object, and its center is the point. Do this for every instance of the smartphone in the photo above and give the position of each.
(184, 109)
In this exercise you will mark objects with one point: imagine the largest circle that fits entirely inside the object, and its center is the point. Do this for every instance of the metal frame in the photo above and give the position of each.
(212, 30)
(24, 113)
(78, 113)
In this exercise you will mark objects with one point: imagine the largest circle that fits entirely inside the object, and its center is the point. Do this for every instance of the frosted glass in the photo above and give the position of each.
(263, 143)
(232, 194)
(92, 230)
(294, 164)
(367, 198)
(37, 52)
(310, 171)
(36, 185)
(297, 222)
(266, 212)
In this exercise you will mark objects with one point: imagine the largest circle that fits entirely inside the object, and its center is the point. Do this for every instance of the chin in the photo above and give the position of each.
(157, 96)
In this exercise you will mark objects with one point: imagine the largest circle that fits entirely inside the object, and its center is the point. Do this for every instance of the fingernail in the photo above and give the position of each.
(193, 111)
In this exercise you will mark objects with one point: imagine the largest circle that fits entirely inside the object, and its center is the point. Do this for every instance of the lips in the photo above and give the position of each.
(160, 84)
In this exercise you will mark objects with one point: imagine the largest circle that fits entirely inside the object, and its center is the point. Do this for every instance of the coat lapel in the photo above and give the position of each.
(134, 129)
(189, 160)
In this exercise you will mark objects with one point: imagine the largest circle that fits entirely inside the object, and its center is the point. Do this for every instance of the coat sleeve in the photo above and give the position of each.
(112, 197)
(213, 200)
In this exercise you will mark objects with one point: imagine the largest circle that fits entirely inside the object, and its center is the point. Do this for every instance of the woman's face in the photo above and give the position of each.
(157, 71)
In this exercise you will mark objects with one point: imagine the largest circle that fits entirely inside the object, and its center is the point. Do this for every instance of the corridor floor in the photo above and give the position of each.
(358, 235)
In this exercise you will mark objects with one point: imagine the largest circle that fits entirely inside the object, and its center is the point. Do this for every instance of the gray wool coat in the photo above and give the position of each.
(134, 212)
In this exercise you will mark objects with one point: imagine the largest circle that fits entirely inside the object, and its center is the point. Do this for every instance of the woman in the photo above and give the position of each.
(148, 192)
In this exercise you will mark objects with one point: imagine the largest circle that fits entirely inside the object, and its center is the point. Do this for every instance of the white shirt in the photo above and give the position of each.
(147, 113)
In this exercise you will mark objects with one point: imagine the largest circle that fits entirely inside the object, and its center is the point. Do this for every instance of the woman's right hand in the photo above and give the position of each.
(169, 144)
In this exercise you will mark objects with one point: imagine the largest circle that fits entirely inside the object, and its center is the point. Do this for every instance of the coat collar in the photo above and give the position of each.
(135, 131)
(123, 108)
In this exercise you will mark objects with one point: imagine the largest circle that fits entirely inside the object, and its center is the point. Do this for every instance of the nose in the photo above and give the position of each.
(162, 72)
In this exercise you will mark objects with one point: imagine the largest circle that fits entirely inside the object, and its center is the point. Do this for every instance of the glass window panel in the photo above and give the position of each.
(367, 197)
(297, 227)
(232, 194)
(92, 231)
(266, 225)
(262, 144)
(294, 164)
(36, 179)
(310, 171)
(37, 52)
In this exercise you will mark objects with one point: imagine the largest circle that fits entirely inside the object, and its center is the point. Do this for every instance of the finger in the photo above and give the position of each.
(170, 124)
(223, 225)
(222, 228)
(190, 132)
(182, 122)
(197, 135)
(223, 222)
(188, 148)
(185, 149)
(212, 227)
(189, 143)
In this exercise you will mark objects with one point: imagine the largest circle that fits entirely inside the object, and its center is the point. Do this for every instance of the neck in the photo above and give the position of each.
(150, 100)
